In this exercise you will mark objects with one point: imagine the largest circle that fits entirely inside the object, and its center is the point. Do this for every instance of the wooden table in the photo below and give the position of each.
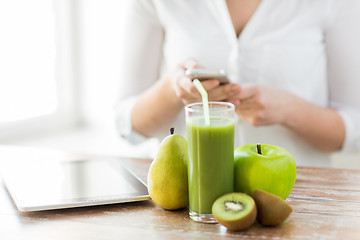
(326, 205)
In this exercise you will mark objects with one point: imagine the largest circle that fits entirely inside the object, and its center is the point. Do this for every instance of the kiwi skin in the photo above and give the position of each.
(241, 223)
(271, 209)
(237, 225)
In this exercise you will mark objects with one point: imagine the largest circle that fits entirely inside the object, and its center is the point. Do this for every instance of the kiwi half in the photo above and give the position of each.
(235, 211)
(271, 209)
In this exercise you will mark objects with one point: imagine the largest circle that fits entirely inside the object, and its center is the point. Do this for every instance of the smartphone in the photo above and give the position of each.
(205, 74)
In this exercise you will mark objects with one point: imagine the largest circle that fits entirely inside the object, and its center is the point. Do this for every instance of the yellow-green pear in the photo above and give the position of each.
(167, 178)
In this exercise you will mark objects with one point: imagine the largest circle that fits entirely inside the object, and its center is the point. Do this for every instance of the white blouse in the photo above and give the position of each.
(308, 47)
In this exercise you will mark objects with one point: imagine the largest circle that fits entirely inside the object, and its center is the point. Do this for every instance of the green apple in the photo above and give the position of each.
(266, 167)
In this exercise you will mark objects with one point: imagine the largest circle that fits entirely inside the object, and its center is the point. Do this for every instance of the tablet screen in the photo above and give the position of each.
(43, 185)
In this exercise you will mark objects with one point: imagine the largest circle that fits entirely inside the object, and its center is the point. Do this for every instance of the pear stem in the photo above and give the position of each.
(172, 130)
(259, 148)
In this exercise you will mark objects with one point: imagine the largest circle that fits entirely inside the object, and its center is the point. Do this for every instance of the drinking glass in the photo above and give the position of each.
(211, 156)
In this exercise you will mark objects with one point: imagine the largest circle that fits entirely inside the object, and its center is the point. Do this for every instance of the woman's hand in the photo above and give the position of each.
(157, 108)
(262, 105)
(321, 127)
(187, 92)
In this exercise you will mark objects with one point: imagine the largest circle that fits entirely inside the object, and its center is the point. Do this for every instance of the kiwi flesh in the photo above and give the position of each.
(271, 209)
(235, 211)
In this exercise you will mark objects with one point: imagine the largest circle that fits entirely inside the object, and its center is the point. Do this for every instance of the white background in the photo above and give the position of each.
(98, 41)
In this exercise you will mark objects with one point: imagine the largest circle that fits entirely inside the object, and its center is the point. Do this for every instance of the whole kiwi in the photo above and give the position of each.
(271, 209)
(235, 211)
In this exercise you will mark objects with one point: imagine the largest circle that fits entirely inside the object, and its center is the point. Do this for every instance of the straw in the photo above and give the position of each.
(205, 101)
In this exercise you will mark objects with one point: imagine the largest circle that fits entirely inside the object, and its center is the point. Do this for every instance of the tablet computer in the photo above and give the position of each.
(39, 182)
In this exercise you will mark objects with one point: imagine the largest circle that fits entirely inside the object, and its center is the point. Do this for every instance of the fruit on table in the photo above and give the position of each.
(167, 177)
(236, 211)
(271, 209)
(266, 167)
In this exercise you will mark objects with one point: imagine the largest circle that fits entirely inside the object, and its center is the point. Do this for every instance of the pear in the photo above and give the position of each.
(167, 177)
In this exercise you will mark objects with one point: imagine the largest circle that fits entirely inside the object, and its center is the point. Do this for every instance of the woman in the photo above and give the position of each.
(292, 64)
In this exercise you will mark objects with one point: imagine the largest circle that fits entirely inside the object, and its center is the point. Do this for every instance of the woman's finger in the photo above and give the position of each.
(247, 91)
(223, 92)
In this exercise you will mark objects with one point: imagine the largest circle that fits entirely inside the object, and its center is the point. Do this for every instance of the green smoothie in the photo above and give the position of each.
(211, 161)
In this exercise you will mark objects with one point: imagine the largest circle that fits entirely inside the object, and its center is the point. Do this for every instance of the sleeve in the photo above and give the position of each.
(343, 59)
(140, 61)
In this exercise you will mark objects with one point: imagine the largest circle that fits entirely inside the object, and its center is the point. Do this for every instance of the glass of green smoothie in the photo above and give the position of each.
(211, 156)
